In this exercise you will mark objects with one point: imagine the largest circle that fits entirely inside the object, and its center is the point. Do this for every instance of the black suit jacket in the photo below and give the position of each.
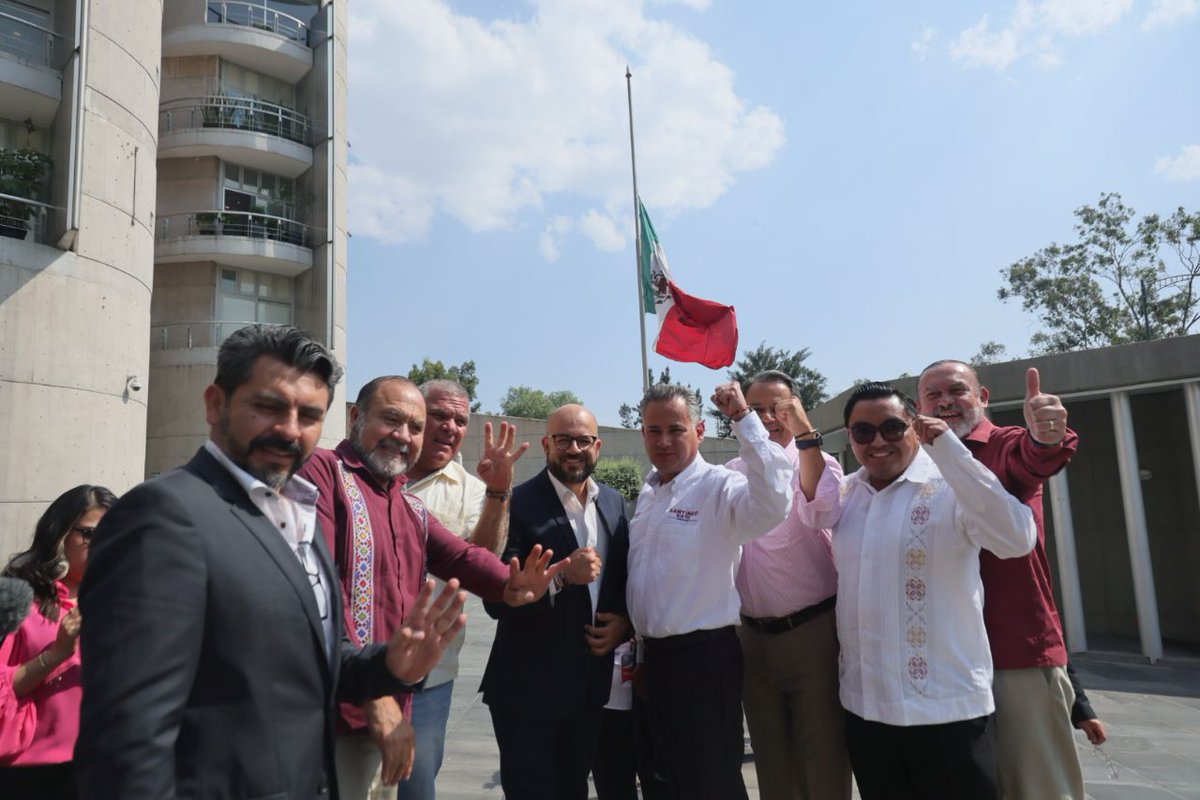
(540, 665)
(206, 673)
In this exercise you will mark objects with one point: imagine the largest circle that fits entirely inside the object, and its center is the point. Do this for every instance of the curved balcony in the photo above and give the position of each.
(24, 219)
(257, 134)
(192, 334)
(247, 239)
(252, 34)
(31, 61)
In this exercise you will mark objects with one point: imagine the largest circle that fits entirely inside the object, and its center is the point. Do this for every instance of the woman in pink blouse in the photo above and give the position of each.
(39, 663)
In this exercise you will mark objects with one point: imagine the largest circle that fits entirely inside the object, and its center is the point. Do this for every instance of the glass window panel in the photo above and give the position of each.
(236, 309)
(228, 280)
(274, 313)
(246, 282)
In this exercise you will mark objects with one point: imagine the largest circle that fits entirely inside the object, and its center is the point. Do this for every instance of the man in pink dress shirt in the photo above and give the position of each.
(788, 584)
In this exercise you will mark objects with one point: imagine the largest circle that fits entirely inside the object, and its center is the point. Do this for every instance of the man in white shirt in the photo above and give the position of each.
(550, 670)
(908, 526)
(465, 505)
(684, 545)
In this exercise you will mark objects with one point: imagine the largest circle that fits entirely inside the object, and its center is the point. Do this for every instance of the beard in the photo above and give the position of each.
(385, 460)
(971, 417)
(272, 475)
(572, 473)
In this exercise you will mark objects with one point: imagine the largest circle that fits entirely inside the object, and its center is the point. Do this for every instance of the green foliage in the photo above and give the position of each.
(810, 384)
(464, 375)
(622, 474)
(523, 401)
(21, 173)
(631, 415)
(1124, 280)
(989, 353)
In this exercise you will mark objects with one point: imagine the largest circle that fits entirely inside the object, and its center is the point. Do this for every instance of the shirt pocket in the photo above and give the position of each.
(678, 551)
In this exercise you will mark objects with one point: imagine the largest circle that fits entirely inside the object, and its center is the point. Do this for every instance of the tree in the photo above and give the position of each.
(523, 401)
(464, 375)
(810, 384)
(1113, 285)
(631, 415)
(622, 474)
(989, 353)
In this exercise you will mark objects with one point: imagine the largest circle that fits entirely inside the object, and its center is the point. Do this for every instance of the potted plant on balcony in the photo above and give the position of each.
(21, 174)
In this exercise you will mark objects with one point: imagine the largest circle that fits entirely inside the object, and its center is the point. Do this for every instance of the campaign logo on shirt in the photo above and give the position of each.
(684, 514)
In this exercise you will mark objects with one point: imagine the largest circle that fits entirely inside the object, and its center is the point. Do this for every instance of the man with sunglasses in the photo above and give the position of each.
(550, 669)
(908, 527)
(1035, 745)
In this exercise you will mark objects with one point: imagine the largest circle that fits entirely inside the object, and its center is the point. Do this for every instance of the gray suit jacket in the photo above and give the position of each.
(205, 668)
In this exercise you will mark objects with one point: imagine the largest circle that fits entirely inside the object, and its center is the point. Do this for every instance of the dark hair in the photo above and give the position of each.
(874, 390)
(292, 346)
(41, 565)
(672, 391)
(367, 393)
(773, 376)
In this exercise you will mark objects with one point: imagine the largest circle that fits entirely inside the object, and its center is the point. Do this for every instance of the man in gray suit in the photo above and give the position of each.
(214, 644)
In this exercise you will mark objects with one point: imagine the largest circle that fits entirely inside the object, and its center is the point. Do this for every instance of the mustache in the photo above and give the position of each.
(276, 442)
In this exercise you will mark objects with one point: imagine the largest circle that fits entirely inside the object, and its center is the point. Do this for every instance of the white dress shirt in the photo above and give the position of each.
(685, 536)
(293, 512)
(910, 601)
(585, 522)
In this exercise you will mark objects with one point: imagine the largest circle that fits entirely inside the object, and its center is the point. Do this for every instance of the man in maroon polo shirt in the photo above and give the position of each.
(1035, 746)
(383, 540)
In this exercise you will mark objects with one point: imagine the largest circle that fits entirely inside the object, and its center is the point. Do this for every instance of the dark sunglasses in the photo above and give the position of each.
(892, 430)
(85, 533)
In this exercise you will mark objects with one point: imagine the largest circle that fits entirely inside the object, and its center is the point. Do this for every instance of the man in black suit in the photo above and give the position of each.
(214, 645)
(550, 669)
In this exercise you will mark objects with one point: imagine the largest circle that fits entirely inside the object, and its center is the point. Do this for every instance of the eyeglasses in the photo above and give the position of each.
(892, 430)
(313, 570)
(563, 442)
(85, 533)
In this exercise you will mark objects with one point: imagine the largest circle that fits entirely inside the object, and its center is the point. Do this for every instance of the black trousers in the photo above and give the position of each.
(695, 700)
(625, 755)
(41, 782)
(953, 761)
(546, 759)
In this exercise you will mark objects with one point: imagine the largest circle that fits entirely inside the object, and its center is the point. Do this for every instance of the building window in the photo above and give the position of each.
(245, 296)
(248, 189)
(23, 27)
(237, 81)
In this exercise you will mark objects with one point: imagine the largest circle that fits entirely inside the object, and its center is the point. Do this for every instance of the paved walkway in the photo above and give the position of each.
(1153, 717)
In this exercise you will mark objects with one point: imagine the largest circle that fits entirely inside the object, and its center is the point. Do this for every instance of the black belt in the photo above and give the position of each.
(783, 624)
(665, 643)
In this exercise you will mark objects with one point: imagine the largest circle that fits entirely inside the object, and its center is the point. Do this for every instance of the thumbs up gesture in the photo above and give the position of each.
(1045, 416)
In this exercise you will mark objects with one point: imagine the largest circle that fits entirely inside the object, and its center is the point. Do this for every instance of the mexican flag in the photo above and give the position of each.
(689, 329)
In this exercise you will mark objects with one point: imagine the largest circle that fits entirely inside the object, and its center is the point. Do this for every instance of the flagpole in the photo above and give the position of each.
(637, 234)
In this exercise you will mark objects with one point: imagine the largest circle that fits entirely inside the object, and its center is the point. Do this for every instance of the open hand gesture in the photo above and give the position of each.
(418, 645)
(527, 584)
(496, 466)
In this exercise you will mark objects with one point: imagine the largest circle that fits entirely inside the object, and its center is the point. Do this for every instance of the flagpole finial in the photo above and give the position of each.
(628, 74)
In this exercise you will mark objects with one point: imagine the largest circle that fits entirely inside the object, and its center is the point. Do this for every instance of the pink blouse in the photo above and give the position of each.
(54, 703)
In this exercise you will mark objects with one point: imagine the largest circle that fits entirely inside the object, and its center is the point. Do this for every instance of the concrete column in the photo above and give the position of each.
(1135, 528)
(1191, 398)
(1068, 565)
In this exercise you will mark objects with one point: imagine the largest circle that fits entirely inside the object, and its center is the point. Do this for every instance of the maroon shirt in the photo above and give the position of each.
(1018, 597)
(401, 552)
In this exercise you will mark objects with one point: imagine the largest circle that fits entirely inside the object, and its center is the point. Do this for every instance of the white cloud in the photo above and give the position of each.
(1165, 12)
(696, 5)
(1082, 17)
(1183, 167)
(548, 242)
(485, 121)
(920, 46)
(980, 47)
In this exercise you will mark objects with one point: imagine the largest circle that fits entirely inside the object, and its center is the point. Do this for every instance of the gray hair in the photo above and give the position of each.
(672, 391)
(367, 393)
(444, 386)
(292, 346)
(773, 376)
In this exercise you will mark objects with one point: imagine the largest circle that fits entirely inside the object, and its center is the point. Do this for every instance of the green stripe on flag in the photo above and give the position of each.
(646, 257)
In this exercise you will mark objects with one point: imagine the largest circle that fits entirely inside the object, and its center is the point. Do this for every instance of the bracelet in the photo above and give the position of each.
(560, 581)
(497, 494)
(738, 415)
(41, 659)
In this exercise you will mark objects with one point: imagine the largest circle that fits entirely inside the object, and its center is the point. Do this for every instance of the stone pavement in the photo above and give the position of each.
(1152, 713)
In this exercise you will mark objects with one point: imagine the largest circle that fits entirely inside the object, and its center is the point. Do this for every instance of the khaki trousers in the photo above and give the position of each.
(1035, 743)
(790, 695)
(358, 765)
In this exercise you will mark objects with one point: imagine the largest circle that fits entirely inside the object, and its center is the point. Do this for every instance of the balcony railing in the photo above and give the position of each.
(193, 333)
(256, 15)
(243, 224)
(28, 40)
(238, 113)
(20, 217)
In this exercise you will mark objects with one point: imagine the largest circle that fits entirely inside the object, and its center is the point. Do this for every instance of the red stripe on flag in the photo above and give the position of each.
(698, 330)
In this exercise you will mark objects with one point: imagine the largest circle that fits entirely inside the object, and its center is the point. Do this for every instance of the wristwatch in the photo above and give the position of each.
(814, 441)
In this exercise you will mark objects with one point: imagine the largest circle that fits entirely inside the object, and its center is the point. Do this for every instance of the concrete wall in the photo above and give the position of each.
(190, 76)
(73, 325)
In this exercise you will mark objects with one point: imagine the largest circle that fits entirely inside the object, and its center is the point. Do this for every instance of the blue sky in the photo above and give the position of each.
(851, 177)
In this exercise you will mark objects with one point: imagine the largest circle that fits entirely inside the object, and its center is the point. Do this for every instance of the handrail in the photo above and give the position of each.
(28, 49)
(33, 25)
(214, 337)
(10, 223)
(27, 201)
(243, 224)
(269, 20)
(239, 113)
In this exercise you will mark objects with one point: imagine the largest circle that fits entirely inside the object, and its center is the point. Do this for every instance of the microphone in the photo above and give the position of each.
(15, 598)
